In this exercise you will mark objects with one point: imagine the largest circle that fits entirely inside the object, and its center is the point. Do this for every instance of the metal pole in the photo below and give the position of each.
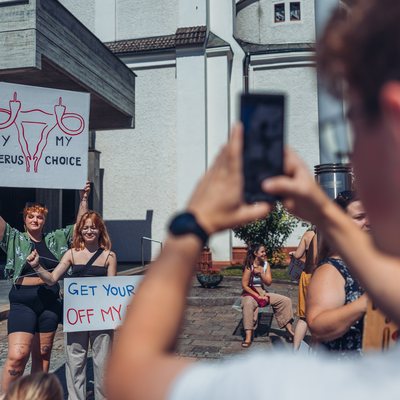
(328, 107)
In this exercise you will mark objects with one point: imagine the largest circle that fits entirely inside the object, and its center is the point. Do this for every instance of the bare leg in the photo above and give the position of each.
(299, 333)
(248, 335)
(41, 351)
(289, 328)
(19, 348)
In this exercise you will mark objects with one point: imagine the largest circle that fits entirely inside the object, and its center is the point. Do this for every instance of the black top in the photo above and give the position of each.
(81, 270)
(88, 269)
(46, 258)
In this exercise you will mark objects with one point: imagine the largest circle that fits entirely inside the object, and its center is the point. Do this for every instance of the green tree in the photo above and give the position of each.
(271, 231)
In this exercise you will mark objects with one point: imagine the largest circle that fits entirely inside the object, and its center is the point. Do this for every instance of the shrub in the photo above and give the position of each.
(271, 231)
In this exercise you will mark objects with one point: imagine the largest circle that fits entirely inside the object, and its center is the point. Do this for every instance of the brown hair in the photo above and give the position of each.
(250, 256)
(38, 386)
(35, 207)
(104, 239)
(361, 46)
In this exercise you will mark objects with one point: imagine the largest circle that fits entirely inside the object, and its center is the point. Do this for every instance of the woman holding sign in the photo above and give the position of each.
(90, 256)
(35, 309)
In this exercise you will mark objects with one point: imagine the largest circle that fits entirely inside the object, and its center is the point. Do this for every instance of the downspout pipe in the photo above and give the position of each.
(246, 68)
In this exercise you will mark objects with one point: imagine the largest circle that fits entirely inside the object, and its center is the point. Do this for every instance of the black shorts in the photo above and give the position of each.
(36, 308)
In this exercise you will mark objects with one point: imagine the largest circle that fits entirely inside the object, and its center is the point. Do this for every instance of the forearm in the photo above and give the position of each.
(155, 314)
(45, 275)
(301, 249)
(83, 208)
(249, 290)
(332, 324)
(266, 278)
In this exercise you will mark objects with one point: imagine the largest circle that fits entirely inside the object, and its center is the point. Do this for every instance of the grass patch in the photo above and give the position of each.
(279, 273)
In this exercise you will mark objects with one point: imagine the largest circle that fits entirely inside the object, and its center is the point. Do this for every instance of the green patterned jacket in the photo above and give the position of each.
(18, 246)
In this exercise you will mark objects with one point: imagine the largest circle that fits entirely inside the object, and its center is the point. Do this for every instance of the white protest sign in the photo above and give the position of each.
(43, 137)
(92, 304)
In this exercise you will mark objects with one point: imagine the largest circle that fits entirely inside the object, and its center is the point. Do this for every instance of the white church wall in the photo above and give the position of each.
(140, 166)
(146, 18)
(299, 83)
(218, 125)
(256, 23)
(192, 13)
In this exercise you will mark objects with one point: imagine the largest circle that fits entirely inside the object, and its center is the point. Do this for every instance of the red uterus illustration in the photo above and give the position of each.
(38, 124)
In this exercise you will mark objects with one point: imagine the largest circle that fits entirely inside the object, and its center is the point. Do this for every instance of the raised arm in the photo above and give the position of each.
(142, 354)
(83, 205)
(303, 245)
(50, 278)
(266, 276)
(327, 316)
(2, 227)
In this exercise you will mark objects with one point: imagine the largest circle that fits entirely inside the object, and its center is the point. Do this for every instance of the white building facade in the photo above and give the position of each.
(192, 58)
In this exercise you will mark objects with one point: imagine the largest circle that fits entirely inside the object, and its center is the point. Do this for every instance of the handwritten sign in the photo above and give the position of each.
(380, 333)
(43, 137)
(92, 304)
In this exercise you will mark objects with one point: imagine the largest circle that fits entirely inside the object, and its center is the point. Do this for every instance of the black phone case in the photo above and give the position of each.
(262, 116)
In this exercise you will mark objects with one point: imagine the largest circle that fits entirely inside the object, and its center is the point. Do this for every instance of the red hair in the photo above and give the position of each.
(104, 239)
(35, 207)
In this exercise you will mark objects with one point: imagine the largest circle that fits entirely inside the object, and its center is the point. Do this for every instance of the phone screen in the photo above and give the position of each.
(262, 116)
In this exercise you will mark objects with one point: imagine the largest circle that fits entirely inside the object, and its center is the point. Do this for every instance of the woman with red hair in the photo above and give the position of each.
(90, 256)
(35, 308)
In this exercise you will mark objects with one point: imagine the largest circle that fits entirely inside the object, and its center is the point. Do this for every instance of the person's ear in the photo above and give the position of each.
(390, 104)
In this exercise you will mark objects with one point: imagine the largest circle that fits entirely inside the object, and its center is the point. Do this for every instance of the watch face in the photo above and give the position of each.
(186, 223)
(182, 224)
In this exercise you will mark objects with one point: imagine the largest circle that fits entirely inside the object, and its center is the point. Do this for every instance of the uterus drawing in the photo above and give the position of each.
(40, 123)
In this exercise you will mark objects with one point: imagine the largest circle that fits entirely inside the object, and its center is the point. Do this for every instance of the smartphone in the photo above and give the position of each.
(262, 116)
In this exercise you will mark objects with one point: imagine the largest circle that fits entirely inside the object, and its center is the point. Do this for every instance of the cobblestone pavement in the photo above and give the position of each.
(211, 329)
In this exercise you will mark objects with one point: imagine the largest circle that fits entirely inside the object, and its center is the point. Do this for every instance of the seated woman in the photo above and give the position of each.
(90, 255)
(336, 303)
(256, 274)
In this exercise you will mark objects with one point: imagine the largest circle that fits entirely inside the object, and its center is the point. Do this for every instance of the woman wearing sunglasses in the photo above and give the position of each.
(35, 309)
(90, 256)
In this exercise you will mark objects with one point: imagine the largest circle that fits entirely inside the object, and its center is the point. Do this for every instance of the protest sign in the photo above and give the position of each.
(92, 304)
(380, 333)
(43, 137)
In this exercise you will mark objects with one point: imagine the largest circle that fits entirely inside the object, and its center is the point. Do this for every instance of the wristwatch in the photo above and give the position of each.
(186, 223)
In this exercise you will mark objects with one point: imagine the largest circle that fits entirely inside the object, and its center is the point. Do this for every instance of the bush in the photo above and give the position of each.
(271, 231)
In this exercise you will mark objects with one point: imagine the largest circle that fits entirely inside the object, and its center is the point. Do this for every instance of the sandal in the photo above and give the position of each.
(246, 345)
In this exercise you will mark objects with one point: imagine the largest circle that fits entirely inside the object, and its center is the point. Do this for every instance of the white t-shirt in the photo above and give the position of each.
(285, 376)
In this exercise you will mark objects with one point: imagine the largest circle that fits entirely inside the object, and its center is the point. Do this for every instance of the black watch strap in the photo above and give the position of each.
(186, 223)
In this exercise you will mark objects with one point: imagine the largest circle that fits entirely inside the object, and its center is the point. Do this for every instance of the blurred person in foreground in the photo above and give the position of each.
(37, 386)
(363, 49)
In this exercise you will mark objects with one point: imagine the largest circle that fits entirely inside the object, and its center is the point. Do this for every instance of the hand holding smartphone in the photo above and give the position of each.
(262, 116)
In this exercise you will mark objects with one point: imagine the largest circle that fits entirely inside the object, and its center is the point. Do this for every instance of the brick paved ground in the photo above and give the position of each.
(211, 327)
